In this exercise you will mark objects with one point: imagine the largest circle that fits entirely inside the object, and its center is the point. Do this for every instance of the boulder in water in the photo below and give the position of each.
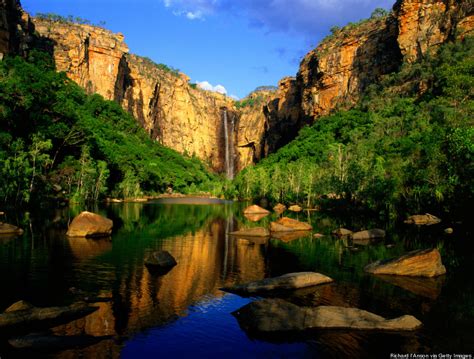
(288, 281)
(9, 229)
(286, 224)
(342, 232)
(279, 208)
(273, 316)
(423, 219)
(419, 263)
(89, 224)
(24, 317)
(160, 261)
(254, 209)
(375, 233)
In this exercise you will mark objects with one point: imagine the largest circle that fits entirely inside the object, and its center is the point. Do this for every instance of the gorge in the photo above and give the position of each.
(188, 119)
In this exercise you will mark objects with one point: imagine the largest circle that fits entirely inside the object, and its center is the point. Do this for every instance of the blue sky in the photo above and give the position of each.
(237, 44)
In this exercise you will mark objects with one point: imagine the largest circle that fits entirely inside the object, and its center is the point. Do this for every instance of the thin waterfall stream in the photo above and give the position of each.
(229, 143)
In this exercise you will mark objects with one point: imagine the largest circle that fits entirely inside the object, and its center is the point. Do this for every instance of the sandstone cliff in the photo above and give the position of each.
(425, 24)
(209, 125)
(171, 110)
(336, 73)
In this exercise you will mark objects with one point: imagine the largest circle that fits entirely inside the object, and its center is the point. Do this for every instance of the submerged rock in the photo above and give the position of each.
(342, 232)
(419, 263)
(254, 209)
(375, 233)
(23, 317)
(285, 282)
(252, 232)
(89, 224)
(423, 219)
(278, 316)
(9, 229)
(286, 224)
(161, 261)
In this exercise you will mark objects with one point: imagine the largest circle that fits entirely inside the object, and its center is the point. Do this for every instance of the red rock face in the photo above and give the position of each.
(423, 25)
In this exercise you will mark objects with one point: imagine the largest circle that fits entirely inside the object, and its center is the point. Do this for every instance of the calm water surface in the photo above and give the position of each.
(184, 314)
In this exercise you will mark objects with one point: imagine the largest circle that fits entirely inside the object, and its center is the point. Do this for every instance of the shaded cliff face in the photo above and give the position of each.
(15, 28)
(178, 115)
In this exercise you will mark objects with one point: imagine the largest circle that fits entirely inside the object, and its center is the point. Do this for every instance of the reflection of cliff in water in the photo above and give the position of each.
(207, 260)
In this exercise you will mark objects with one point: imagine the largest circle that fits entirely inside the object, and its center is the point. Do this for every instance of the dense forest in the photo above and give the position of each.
(408, 145)
(57, 141)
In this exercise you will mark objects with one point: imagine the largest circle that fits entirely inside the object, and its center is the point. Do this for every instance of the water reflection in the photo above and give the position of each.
(44, 266)
(207, 259)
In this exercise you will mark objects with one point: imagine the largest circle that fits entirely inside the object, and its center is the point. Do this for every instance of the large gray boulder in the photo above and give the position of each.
(285, 282)
(419, 263)
(273, 316)
(89, 224)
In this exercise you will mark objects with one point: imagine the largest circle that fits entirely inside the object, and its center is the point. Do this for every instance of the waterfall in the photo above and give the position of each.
(229, 143)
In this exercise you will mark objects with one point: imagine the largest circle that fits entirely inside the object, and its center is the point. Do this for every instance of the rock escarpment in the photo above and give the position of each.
(166, 105)
(336, 73)
(231, 136)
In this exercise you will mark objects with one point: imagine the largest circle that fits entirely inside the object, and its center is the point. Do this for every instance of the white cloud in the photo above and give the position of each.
(192, 9)
(197, 15)
(308, 17)
(205, 85)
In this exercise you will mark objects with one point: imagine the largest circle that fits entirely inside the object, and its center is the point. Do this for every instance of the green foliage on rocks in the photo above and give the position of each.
(55, 139)
(407, 145)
